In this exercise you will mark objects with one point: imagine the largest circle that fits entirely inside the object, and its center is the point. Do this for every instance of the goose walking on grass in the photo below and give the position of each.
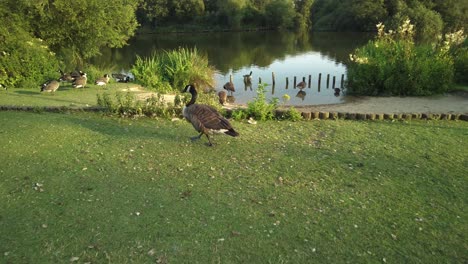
(50, 86)
(205, 119)
(102, 80)
(80, 82)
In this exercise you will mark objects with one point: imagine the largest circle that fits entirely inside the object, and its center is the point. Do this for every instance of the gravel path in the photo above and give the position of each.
(456, 102)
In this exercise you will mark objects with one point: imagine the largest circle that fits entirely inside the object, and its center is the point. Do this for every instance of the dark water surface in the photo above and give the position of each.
(287, 54)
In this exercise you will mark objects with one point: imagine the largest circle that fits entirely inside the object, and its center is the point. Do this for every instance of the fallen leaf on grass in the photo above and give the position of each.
(252, 121)
(38, 187)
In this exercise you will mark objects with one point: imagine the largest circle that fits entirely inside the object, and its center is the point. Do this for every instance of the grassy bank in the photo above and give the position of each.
(88, 188)
(64, 96)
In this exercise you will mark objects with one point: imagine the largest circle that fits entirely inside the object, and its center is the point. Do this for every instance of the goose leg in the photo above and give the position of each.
(209, 140)
(196, 137)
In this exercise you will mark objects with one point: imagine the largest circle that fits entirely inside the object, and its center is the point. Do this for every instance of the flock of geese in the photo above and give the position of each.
(79, 79)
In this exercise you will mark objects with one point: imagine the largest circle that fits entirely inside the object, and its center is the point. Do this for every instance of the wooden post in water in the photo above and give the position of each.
(319, 81)
(294, 82)
(259, 80)
(273, 78)
(334, 80)
(342, 81)
(287, 82)
(328, 80)
(310, 81)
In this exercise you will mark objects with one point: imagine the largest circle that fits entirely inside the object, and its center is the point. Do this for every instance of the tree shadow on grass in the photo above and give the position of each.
(51, 97)
(127, 128)
(23, 92)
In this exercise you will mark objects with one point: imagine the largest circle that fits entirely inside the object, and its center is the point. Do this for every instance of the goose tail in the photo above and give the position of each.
(231, 132)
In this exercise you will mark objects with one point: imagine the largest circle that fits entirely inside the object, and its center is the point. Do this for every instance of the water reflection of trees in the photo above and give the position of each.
(235, 50)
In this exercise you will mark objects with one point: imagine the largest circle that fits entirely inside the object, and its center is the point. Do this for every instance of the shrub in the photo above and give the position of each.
(393, 65)
(147, 73)
(239, 114)
(171, 69)
(156, 106)
(25, 61)
(293, 114)
(459, 51)
(211, 99)
(259, 108)
(126, 105)
(184, 66)
(461, 65)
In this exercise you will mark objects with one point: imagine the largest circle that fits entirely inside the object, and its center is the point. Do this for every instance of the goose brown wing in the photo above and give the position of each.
(206, 116)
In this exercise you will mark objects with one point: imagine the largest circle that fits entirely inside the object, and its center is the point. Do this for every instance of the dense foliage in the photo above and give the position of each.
(394, 65)
(67, 33)
(429, 16)
(24, 60)
(460, 56)
(235, 14)
(36, 35)
(260, 109)
(128, 105)
(173, 69)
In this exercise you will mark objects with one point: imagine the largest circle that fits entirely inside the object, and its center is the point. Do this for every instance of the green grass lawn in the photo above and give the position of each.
(66, 95)
(86, 188)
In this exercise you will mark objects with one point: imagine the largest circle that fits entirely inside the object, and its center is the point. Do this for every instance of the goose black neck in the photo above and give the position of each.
(194, 97)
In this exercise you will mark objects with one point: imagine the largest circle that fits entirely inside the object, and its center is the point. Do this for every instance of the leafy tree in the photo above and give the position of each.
(430, 16)
(153, 11)
(24, 59)
(367, 13)
(428, 22)
(187, 10)
(231, 12)
(83, 26)
(280, 13)
(303, 16)
(454, 13)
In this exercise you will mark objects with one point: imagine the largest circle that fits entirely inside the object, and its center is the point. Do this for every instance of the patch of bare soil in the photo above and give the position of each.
(142, 94)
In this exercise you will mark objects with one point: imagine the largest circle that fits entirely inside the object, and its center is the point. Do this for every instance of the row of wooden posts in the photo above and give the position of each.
(309, 83)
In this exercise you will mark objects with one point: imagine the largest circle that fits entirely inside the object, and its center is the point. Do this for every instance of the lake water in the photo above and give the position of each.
(287, 54)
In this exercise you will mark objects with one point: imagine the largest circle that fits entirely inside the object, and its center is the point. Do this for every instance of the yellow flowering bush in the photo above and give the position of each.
(393, 64)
